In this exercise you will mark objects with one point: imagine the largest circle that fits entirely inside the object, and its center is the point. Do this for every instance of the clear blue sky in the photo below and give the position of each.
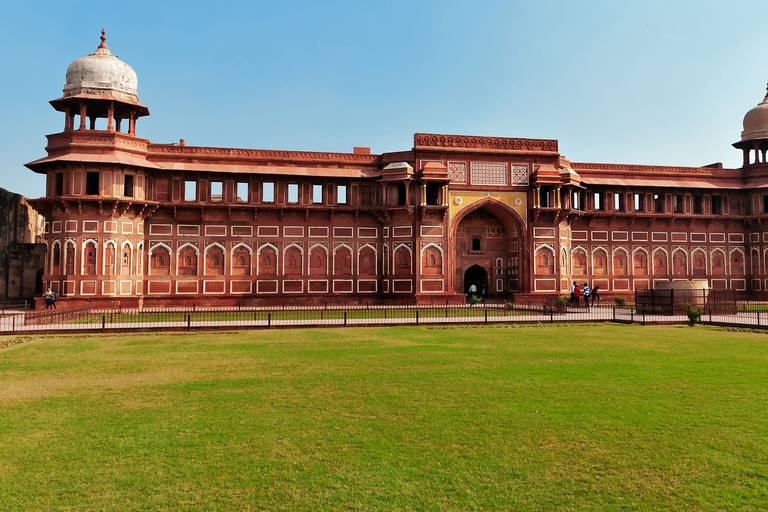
(648, 82)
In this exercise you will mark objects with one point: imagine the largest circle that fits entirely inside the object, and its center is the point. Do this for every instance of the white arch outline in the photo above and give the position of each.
(410, 253)
(687, 260)
(647, 261)
(653, 264)
(555, 263)
(375, 258)
(725, 259)
(301, 250)
(706, 260)
(351, 258)
(152, 251)
(86, 243)
(107, 243)
(258, 257)
(223, 257)
(385, 260)
(626, 259)
(232, 257)
(442, 258)
(608, 261)
(309, 257)
(197, 253)
(139, 259)
(567, 261)
(743, 259)
(586, 257)
(130, 256)
(753, 251)
(71, 242)
(51, 260)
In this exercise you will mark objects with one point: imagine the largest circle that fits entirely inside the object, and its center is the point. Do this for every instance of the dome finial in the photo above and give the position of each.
(103, 38)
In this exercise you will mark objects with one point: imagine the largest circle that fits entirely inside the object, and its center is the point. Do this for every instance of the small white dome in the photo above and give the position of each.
(101, 74)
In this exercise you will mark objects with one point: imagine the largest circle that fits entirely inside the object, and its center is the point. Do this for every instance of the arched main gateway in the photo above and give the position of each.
(488, 241)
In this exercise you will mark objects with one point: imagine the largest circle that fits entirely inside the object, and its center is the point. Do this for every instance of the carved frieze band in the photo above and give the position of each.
(464, 141)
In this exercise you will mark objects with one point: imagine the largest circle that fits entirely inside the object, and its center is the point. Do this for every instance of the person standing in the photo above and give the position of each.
(586, 295)
(573, 295)
(472, 291)
(48, 300)
(576, 294)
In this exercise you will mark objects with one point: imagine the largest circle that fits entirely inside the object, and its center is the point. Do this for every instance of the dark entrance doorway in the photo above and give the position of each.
(478, 276)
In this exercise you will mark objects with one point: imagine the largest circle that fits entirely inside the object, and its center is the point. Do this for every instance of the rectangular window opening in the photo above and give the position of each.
(242, 192)
(678, 203)
(697, 204)
(128, 186)
(217, 188)
(293, 192)
(317, 194)
(59, 183)
(341, 194)
(658, 203)
(268, 192)
(638, 202)
(190, 190)
(618, 202)
(92, 183)
(717, 205)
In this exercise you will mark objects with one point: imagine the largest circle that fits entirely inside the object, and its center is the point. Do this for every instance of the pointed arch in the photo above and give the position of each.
(660, 262)
(367, 263)
(266, 260)
(70, 251)
(640, 259)
(293, 260)
(126, 258)
(159, 259)
(718, 261)
(342, 260)
(620, 261)
(579, 261)
(679, 262)
(241, 257)
(90, 257)
(600, 261)
(699, 262)
(432, 259)
(187, 260)
(214, 260)
(317, 260)
(754, 262)
(544, 258)
(55, 260)
(109, 265)
(563, 261)
(402, 260)
(736, 261)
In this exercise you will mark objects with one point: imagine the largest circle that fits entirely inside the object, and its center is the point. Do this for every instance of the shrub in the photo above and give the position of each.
(475, 299)
(509, 306)
(694, 314)
(620, 300)
(561, 301)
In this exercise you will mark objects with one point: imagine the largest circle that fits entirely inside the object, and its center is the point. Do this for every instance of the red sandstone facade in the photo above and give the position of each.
(150, 224)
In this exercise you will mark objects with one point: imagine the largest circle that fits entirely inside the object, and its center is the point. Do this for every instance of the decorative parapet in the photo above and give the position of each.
(431, 140)
(178, 151)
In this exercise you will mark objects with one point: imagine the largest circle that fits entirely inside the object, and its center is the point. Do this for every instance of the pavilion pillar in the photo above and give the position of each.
(83, 116)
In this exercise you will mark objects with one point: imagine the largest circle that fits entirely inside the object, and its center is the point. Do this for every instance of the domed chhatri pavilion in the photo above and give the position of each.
(154, 224)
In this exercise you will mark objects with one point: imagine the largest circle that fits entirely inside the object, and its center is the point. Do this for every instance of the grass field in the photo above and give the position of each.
(480, 418)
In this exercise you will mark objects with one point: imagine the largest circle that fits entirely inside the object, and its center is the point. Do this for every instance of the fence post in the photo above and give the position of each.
(486, 315)
(13, 325)
(189, 319)
(632, 315)
(551, 315)
(345, 317)
(758, 318)
(417, 317)
(614, 313)
(103, 322)
(269, 320)
(710, 315)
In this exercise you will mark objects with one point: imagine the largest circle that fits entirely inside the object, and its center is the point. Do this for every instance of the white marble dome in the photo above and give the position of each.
(101, 74)
(756, 122)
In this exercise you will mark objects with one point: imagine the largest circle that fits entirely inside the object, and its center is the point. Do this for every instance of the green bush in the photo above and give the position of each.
(561, 301)
(620, 300)
(694, 314)
(475, 299)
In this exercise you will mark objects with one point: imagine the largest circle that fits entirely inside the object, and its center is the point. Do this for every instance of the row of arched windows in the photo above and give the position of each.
(125, 261)
(696, 262)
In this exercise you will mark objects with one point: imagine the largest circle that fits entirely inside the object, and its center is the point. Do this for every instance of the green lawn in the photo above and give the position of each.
(469, 418)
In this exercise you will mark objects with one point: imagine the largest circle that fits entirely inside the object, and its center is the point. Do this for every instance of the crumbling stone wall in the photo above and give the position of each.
(21, 258)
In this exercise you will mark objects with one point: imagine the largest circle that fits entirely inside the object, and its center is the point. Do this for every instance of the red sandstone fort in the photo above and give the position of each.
(169, 224)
